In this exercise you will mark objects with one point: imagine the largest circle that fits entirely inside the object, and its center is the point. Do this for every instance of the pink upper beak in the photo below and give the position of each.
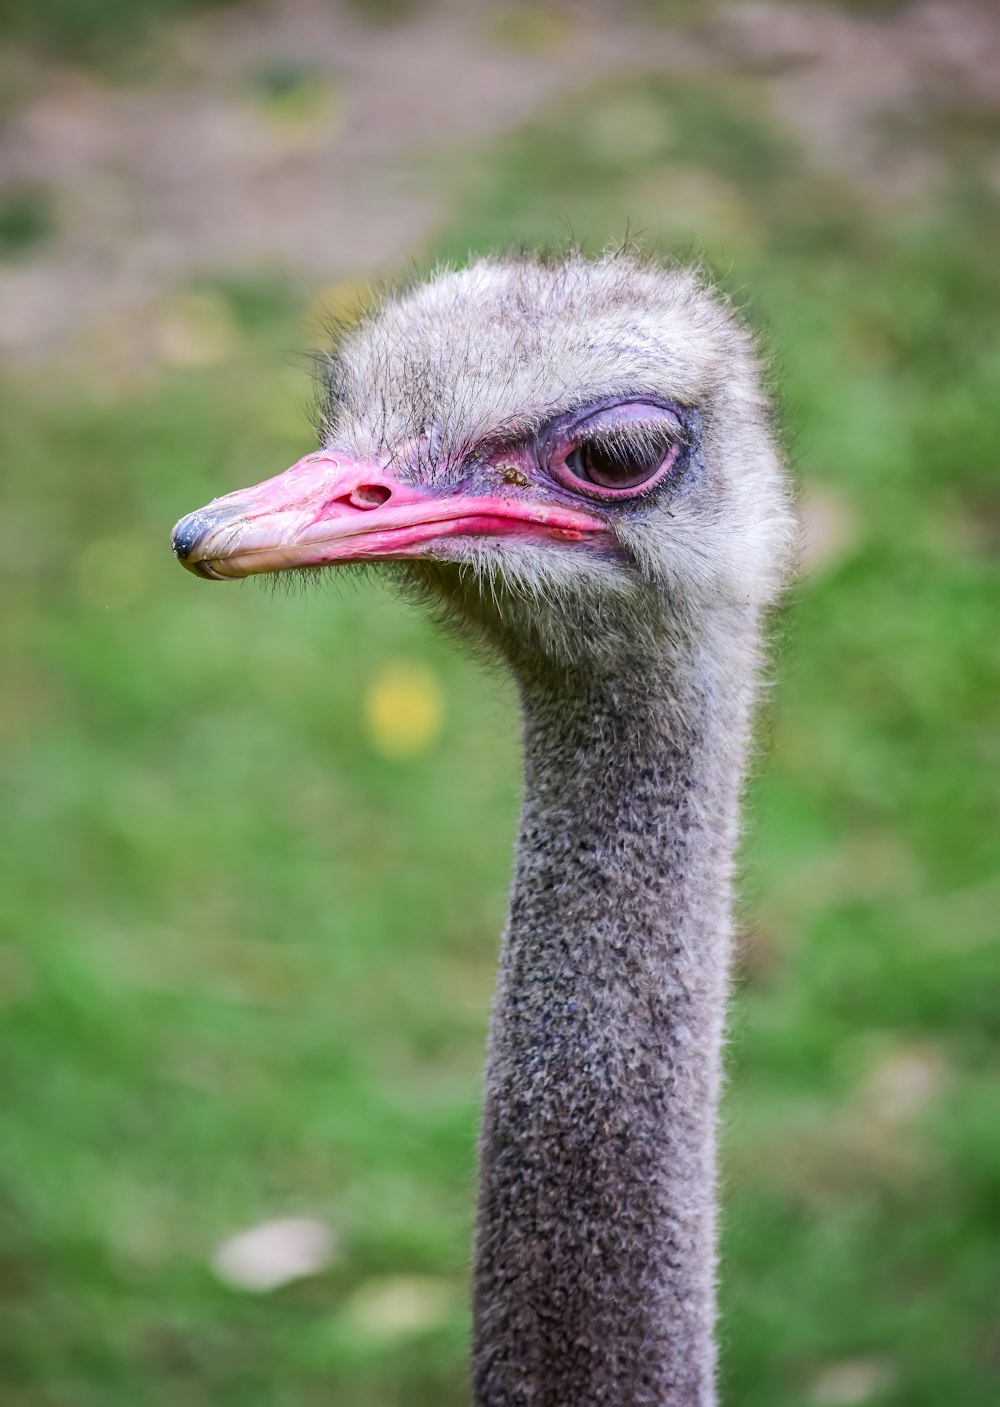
(329, 508)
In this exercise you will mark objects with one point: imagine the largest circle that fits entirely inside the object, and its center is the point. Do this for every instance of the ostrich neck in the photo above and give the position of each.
(595, 1254)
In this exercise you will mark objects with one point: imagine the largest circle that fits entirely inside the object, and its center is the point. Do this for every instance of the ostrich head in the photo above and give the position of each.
(573, 457)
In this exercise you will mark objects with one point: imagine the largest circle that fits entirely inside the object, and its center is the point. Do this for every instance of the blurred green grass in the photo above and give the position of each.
(123, 35)
(249, 957)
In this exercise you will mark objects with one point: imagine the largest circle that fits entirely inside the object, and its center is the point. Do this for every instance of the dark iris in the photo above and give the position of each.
(613, 465)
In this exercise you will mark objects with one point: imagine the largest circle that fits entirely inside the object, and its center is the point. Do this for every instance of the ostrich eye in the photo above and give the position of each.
(612, 464)
(620, 450)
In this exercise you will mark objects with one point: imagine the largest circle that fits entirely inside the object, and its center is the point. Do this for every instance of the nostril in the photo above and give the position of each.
(369, 496)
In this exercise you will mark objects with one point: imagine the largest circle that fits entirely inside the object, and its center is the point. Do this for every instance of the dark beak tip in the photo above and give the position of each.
(186, 536)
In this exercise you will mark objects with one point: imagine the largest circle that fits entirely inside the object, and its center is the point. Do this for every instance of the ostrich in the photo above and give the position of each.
(572, 460)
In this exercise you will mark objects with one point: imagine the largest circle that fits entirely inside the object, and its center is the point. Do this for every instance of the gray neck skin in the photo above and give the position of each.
(595, 1256)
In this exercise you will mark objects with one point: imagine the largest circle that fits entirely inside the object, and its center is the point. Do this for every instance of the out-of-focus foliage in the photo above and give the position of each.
(100, 29)
(255, 844)
(118, 32)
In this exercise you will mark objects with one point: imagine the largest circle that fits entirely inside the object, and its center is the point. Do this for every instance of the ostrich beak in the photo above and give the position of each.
(328, 508)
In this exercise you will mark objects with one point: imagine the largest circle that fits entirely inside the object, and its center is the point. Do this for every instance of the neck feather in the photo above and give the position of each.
(596, 1234)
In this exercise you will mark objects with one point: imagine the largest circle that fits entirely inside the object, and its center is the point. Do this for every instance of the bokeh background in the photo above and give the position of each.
(255, 845)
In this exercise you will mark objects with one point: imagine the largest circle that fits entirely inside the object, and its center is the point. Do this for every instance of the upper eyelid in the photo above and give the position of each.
(547, 430)
(656, 408)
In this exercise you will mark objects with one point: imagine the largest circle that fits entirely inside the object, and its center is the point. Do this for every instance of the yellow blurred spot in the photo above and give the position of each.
(344, 303)
(195, 329)
(403, 710)
(531, 29)
(396, 1306)
(292, 98)
(112, 572)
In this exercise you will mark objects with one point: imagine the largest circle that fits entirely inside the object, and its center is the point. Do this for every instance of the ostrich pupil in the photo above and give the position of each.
(613, 466)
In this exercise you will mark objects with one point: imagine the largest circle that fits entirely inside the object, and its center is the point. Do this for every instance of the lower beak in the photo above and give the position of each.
(328, 508)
